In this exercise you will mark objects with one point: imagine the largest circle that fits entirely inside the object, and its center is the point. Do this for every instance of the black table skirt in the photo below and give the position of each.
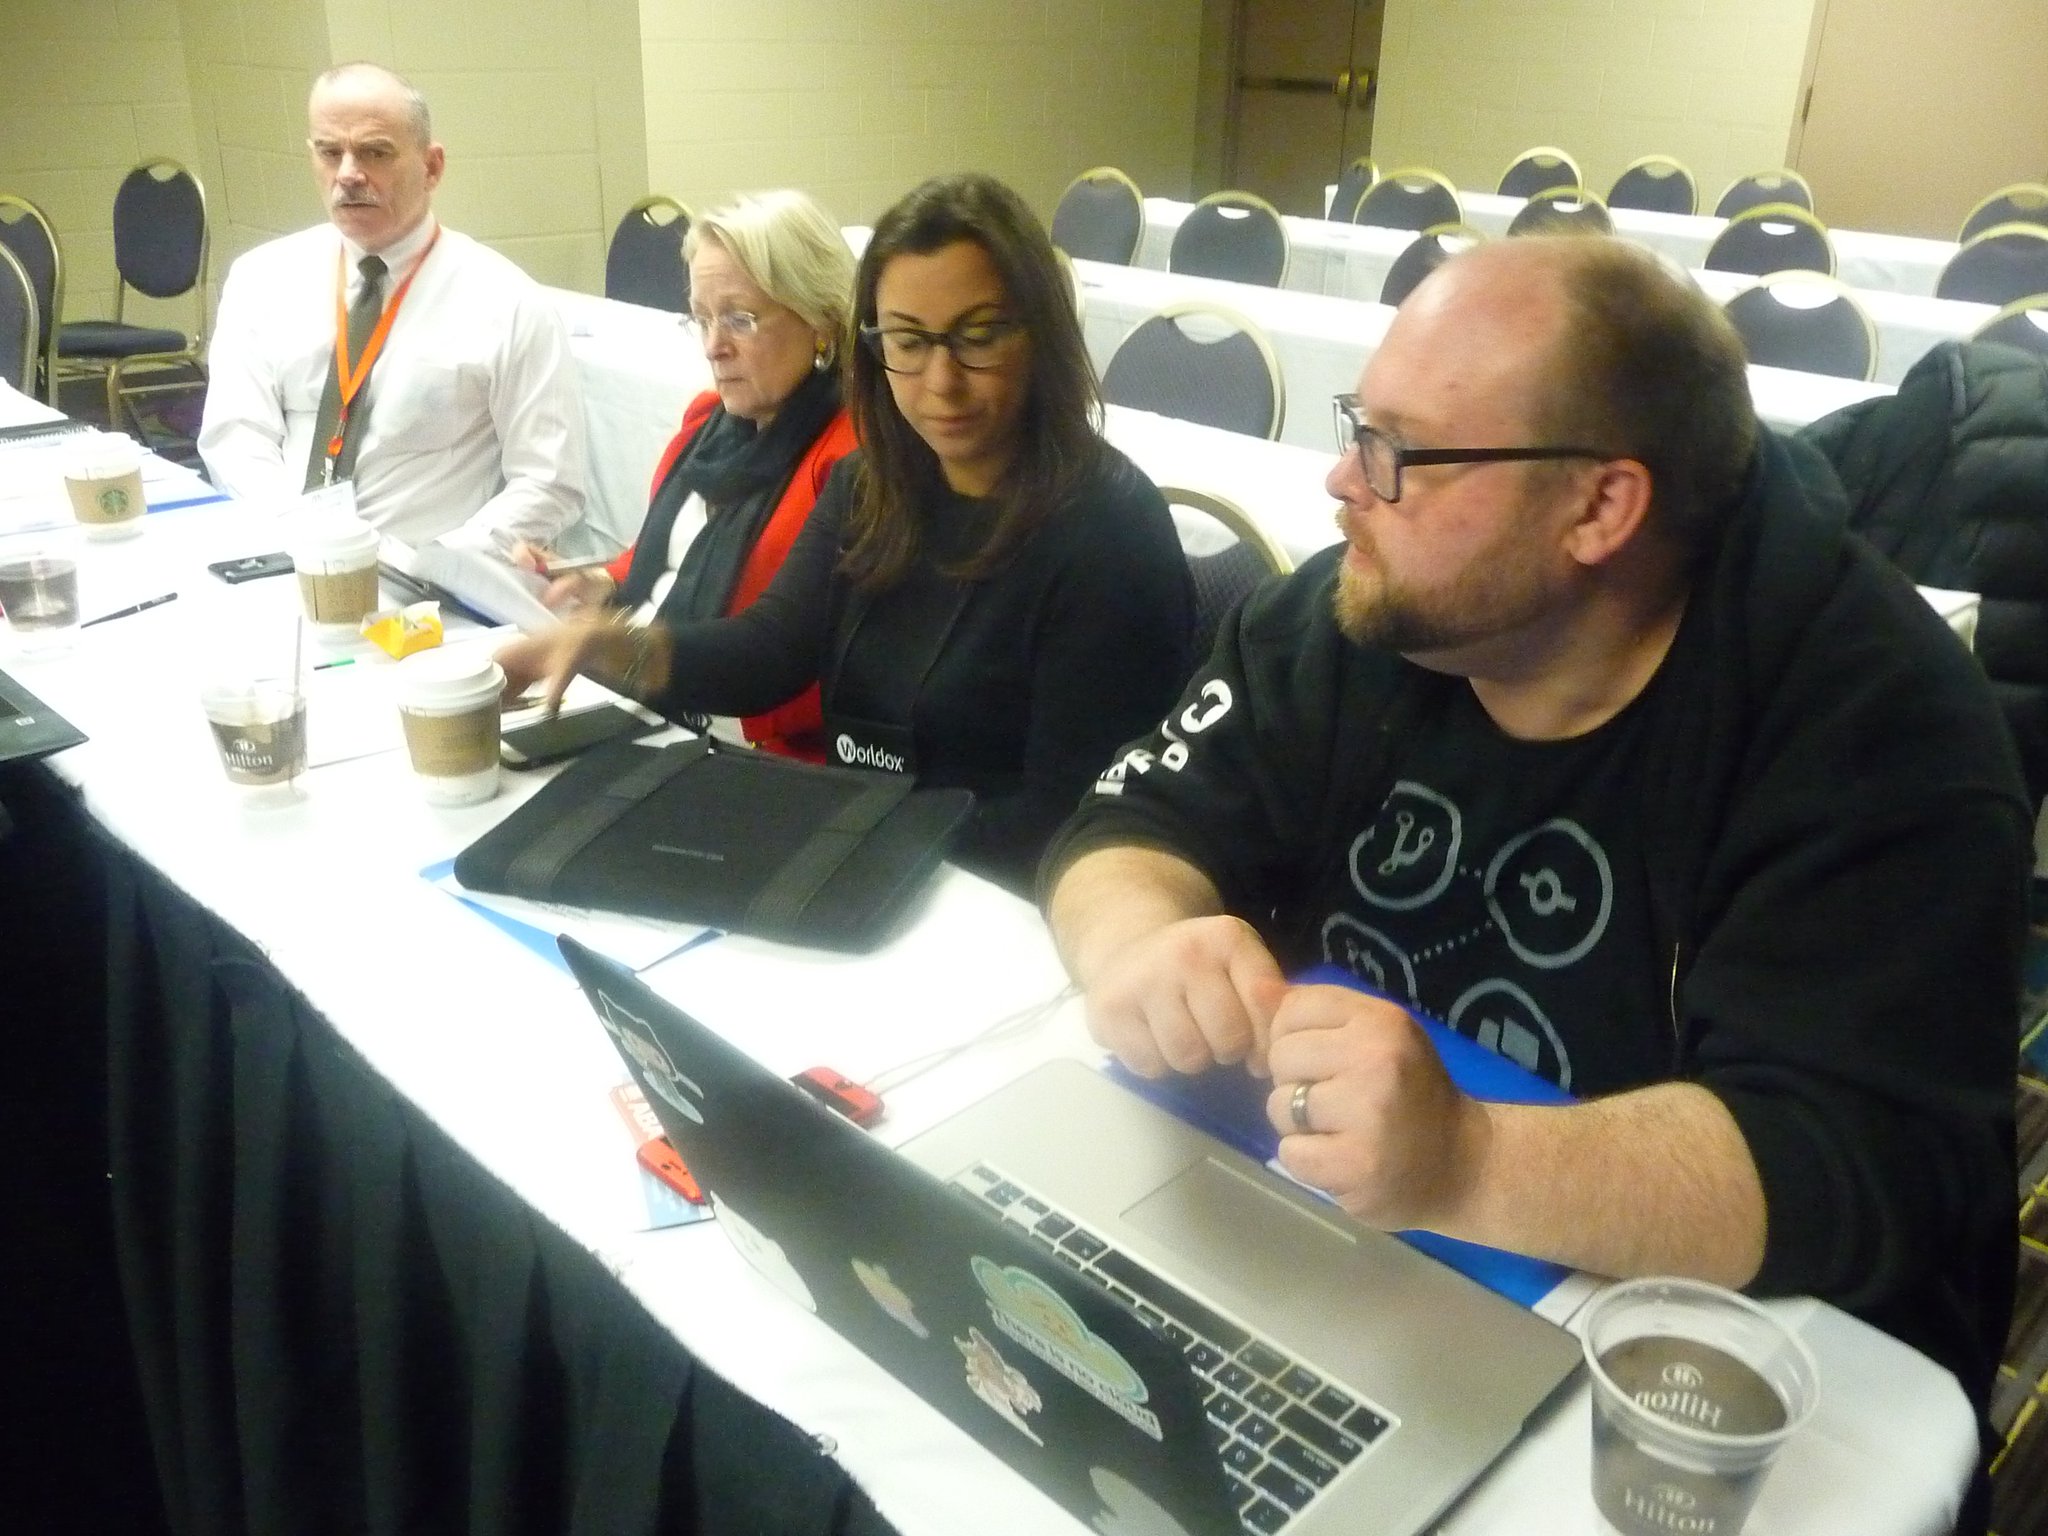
(340, 1322)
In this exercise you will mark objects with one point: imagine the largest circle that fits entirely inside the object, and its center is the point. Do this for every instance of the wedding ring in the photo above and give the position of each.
(1297, 1109)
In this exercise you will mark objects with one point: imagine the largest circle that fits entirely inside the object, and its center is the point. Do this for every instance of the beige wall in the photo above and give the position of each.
(858, 102)
(87, 88)
(1468, 84)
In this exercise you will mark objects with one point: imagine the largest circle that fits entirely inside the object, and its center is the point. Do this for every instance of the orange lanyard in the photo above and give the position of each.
(351, 379)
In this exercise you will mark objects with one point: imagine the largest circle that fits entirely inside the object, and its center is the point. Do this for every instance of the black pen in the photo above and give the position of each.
(122, 613)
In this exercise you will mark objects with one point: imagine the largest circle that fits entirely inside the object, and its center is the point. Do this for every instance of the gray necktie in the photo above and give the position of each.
(362, 319)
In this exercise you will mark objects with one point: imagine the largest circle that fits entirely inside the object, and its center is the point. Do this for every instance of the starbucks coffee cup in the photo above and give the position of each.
(336, 558)
(103, 476)
(448, 703)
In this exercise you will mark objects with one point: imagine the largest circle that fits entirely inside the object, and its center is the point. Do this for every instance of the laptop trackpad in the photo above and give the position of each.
(1236, 1228)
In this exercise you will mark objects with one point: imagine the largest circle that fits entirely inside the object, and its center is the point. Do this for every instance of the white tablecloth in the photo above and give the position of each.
(1323, 343)
(498, 1048)
(1351, 261)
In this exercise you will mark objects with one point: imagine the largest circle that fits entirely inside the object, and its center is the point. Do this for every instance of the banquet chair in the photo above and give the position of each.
(160, 248)
(1202, 363)
(2006, 263)
(1422, 256)
(1228, 555)
(1655, 184)
(1538, 170)
(1772, 238)
(2022, 323)
(20, 328)
(1100, 217)
(1760, 188)
(1236, 236)
(2024, 202)
(1806, 321)
(25, 231)
(1416, 198)
(1353, 184)
(644, 263)
(1562, 211)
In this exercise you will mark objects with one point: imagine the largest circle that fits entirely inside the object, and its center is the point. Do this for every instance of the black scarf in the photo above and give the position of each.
(741, 472)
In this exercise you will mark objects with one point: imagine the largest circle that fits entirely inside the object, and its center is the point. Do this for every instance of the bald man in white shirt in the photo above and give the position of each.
(467, 427)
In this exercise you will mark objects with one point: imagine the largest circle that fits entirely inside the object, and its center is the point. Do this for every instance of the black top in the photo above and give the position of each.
(1833, 843)
(1019, 687)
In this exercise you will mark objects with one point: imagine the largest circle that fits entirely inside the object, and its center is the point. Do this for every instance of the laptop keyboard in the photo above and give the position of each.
(1283, 1432)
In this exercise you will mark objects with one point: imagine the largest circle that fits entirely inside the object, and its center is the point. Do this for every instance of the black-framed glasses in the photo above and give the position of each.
(975, 344)
(1385, 456)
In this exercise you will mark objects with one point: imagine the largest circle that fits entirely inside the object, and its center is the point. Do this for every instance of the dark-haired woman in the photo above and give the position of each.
(988, 594)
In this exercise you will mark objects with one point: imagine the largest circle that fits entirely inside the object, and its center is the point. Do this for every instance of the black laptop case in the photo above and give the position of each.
(735, 839)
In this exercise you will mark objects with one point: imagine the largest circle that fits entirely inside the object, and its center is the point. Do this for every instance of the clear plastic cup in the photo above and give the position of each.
(39, 596)
(1695, 1391)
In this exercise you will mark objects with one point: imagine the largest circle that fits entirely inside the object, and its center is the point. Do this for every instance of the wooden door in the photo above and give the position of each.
(1306, 75)
(1915, 109)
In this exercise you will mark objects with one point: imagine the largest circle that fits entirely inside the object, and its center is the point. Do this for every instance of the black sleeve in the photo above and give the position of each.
(1233, 779)
(769, 652)
(1110, 650)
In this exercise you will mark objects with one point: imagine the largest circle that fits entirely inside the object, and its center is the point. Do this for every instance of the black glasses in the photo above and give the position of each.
(975, 344)
(1385, 456)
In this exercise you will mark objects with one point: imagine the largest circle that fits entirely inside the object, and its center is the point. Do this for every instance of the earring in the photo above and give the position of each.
(823, 356)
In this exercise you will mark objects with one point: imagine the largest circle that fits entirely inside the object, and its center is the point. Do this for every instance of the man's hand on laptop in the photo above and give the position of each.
(1186, 997)
(1366, 1111)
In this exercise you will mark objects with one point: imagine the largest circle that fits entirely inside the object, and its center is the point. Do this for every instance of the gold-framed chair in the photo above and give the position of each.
(20, 324)
(1236, 236)
(1354, 182)
(26, 231)
(1562, 211)
(1541, 169)
(1772, 238)
(2024, 202)
(1422, 256)
(643, 263)
(1221, 371)
(1807, 321)
(1100, 217)
(1414, 197)
(161, 240)
(1228, 555)
(1760, 188)
(1655, 184)
(2005, 263)
(2023, 323)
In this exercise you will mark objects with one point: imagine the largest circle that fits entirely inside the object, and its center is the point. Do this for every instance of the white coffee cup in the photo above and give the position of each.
(103, 474)
(448, 704)
(336, 558)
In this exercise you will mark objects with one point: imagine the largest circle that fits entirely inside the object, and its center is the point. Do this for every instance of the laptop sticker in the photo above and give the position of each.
(997, 1382)
(1129, 1510)
(764, 1253)
(638, 1041)
(1031, 1312)
(889, 1296)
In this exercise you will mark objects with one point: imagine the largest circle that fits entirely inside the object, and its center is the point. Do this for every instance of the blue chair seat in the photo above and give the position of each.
(111, 338)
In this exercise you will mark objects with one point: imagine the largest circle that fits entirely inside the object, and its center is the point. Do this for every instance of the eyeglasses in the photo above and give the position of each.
(974, 344)
(738, 324)
(1385, 456)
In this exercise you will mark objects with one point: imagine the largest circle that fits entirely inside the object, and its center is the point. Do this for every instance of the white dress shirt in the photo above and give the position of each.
(475, 430)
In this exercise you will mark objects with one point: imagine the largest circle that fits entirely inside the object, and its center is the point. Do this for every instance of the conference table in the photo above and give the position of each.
(1323, 342)
(389, 1260)
(1352, 260)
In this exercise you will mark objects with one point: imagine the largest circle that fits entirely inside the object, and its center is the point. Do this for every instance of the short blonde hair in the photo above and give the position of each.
(790, 248)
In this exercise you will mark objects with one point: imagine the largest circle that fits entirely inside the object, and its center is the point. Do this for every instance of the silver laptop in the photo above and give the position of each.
(1155, 1330)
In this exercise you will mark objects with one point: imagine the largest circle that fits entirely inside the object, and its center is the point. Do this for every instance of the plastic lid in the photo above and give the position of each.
(449, 676)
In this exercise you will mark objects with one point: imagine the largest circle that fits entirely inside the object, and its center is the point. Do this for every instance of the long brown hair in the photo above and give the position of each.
(1058, 445)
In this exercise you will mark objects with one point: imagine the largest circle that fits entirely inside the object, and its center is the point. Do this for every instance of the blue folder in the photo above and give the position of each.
(1230, 1104)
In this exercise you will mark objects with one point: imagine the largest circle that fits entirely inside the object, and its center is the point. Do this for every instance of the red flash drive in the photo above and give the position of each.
(840, 1093)
(661, 1160)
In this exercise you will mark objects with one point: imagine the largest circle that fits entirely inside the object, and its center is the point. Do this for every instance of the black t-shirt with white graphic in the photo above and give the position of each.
(1499, 889)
